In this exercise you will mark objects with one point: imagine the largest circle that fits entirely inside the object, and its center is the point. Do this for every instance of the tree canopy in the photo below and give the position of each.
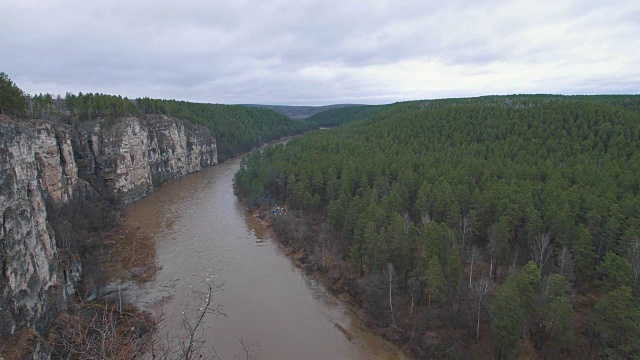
(542, 178)
(237, 128)
(12, 99)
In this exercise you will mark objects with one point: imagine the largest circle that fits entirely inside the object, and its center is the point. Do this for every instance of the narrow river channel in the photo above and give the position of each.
(203, 235)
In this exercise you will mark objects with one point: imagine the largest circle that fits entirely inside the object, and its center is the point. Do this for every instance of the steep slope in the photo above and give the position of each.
(133, 155)
(452, 194)
(237, 128)
(60, 183)
(36, 164)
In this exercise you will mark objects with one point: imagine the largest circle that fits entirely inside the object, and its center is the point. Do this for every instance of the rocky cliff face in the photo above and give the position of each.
(134, 156)
(36, 163)
(45, 167)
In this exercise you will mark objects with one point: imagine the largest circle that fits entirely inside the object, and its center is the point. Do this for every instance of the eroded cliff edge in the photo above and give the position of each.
(61, 182)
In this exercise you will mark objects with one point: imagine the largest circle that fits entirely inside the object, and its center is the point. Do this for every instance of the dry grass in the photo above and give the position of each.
(19, 345)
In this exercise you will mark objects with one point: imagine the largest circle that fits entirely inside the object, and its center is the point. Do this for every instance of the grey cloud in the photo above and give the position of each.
(246, 51)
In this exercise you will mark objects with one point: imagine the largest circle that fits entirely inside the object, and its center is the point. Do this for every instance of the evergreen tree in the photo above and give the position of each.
(436, 282)
(615, 271)
(617, 322)
(12, 98)
(507, 316)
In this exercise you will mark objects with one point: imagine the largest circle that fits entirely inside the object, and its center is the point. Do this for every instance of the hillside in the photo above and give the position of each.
(300, 112)
(338, 116)
(480, 217)
(69, 166)
(237, 128)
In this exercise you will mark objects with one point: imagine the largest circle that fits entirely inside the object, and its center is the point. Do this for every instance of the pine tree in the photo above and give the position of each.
(436, 282)
(617, 322)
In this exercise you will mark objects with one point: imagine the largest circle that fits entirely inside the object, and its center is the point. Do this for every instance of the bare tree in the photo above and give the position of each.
(190, 344)
(492, 246)
(426, 218)
(250, 351)
(564, 263)
(633, 255)
(97, 331)
(391, 273)
(473, 254)
(466, 227)
(480, 291)
(415, 290)
(541, 249)
(407, 222)
(514, 260)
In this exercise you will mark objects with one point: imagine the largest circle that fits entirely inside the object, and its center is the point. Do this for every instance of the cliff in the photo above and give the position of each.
(134, 156)
(60, 182)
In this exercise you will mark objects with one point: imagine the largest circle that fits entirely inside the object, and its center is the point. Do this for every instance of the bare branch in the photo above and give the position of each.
(541, 249)
(249, 351)
(480, 288)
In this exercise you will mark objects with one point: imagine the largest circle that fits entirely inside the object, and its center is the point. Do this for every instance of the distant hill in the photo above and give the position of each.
(300, 112)
(237, 128)
(338, 116)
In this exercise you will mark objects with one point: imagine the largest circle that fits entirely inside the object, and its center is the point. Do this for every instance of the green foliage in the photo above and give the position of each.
(582, 249)
(528, 284)
(499, 237)
(12, 98)
(523, 165)
(615, 271)
(555, 286)
(300, 112)
(237, 128)
(436, 282)
(617, 323)
(507, 317)
(91, 106)
(335, 117)
(519, 177)
(555, 331)
(557, 321)
(453, 270)
(436, 240)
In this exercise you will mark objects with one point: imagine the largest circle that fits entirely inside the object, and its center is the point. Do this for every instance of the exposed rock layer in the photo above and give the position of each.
(47, 166)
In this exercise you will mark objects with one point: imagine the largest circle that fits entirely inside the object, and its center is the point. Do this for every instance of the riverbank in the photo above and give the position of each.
(202, 234)
(292, 233)
(192, 231)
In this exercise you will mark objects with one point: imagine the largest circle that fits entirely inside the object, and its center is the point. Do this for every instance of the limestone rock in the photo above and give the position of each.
(46, 166)
(35, 164)
(135, 155)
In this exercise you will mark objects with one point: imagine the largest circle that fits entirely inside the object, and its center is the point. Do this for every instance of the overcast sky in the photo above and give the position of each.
(301, 52)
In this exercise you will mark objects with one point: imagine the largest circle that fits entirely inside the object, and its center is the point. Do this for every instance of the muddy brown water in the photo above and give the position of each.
(204, 235)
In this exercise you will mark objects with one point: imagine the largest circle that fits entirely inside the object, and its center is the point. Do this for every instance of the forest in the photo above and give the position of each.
(300, 112)
(12, 98)
(504, 225)
(339, 116)
(237, 128)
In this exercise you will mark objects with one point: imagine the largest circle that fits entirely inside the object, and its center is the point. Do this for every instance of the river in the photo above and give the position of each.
(204, 235)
